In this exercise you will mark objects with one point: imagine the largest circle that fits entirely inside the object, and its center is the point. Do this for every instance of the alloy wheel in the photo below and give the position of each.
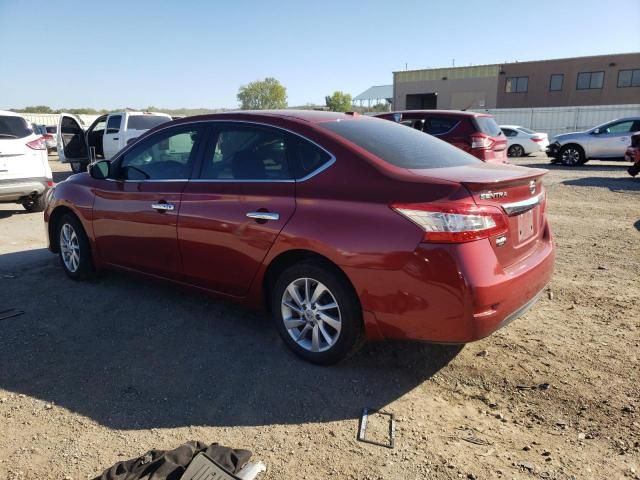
(311, 314)
(70, 248)
(571, 156)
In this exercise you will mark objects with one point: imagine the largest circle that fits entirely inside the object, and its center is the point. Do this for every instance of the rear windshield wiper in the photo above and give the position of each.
(8, 135)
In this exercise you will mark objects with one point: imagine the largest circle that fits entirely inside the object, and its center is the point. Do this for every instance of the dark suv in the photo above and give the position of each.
(475, 133)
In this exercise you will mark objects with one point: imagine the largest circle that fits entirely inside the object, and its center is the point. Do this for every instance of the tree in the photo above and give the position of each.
(263, 94)
(37, 109)
(339, 102)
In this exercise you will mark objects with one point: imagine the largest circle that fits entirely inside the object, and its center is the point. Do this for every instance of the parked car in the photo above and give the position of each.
(522, 141)
(50, 138)
(604, 142)
(25, 175)
(475, 133)
(342, 226)
(106, 135)
(633, 155)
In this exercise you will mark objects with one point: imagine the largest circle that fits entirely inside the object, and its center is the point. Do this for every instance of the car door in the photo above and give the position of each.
(613, 139)
(112, 134)
(136, 209)
(233, 211)
(70, 139)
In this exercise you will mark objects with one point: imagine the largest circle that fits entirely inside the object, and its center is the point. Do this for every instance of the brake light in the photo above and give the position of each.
(37, 144)
(537, 139)
(480, 140)
(47, 136)
(454, 223)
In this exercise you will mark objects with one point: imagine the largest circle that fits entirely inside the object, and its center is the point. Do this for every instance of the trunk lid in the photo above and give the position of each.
(517, 191)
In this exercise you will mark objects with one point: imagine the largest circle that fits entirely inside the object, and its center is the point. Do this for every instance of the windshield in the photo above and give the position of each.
(13, 127)
(526, 130)
(398, 145)
(488, 125)
(145, 122)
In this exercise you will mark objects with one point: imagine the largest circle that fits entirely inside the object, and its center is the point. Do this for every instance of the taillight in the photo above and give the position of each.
(479, 140)
(537, 139)
(454, 223)
(47, 136)
(37, 144)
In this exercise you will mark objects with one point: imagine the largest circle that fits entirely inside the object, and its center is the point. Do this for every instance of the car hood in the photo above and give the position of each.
(563, 137)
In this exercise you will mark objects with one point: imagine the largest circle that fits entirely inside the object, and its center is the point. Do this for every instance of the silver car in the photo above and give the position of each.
(608, 141)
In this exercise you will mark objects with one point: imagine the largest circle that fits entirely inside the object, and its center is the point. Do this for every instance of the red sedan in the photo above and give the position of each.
(343, 227)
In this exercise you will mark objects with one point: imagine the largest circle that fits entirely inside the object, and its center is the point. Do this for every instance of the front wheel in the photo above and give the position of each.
(78, 167)
(572, 155)
(317, 313)
(74, 249)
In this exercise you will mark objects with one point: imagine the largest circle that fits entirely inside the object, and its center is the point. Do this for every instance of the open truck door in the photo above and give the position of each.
(72, 142)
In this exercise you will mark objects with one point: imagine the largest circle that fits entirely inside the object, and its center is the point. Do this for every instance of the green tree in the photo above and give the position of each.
(339, 102)
(37, 109)
(262, 94)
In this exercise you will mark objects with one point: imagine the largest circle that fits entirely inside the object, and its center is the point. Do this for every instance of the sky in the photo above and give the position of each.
(193, 53)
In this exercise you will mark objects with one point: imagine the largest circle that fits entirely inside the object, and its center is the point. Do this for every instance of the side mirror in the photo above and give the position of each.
(100, 170)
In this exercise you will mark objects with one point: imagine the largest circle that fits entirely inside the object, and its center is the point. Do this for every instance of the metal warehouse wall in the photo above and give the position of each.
(52, 118)
(556, 120)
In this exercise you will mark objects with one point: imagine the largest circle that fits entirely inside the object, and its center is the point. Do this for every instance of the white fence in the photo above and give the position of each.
(556, 120)
(52, 118)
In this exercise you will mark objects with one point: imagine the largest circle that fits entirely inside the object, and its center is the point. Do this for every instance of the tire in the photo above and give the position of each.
(572, 155)
(78, 167)
(72, 239)
(37, 204)
(310, 335)
(633, 170)
(515, 151)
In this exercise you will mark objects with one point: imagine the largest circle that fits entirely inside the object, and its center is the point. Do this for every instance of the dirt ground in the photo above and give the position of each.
(94, 373)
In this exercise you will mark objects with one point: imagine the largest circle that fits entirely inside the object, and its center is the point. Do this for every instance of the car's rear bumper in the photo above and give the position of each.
(453, 293)
(12, 190)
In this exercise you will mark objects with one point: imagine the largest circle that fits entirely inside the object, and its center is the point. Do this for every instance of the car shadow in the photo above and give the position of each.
(637, 225)
(615, 184)
(132, 353)
(10, 213)
(61, 176)
(589, 167)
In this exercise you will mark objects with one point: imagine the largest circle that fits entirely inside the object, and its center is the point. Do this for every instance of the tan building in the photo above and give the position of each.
(598, 80)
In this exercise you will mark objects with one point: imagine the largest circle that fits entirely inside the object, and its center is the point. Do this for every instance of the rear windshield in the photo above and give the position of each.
(13, 127)
(488, 125)
(400, 145)
(526, 130)
(145, 122)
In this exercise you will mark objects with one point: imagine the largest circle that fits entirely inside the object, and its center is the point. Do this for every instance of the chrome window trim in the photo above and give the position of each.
(320, 169)
(523, 205)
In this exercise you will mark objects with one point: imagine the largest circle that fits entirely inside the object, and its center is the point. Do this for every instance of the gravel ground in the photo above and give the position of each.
(94, 373)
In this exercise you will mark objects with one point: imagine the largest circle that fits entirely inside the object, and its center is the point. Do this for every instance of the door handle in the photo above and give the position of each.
(264, 215)
(163, 207)
(116, 138)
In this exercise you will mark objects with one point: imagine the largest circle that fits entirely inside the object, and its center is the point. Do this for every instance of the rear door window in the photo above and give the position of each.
(13, 127)
(509, 132)
(145, 122)
(308, 158)
(439, 125)
(398, 145)
(243, 152)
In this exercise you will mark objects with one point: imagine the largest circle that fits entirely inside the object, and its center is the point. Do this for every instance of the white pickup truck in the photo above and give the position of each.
(106, 135)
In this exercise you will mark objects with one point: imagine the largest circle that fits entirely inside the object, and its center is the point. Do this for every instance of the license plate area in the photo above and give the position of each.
(525, 225)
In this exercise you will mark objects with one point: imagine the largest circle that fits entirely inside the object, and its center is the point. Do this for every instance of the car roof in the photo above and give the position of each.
(465, 113)
(8, 113)
(308, 116)
(510, 126)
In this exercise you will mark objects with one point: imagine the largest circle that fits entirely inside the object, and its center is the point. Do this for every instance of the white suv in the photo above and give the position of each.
(25, 175)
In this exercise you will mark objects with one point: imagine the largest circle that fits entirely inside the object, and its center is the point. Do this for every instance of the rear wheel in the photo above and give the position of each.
(36, 204)
(317, 313)
(572, 155)
(78, 167)
(515, 151)
(633, 170)
(74, 249)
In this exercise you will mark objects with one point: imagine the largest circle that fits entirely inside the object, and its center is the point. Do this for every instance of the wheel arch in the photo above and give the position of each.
(290, 257)
(54, 218)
